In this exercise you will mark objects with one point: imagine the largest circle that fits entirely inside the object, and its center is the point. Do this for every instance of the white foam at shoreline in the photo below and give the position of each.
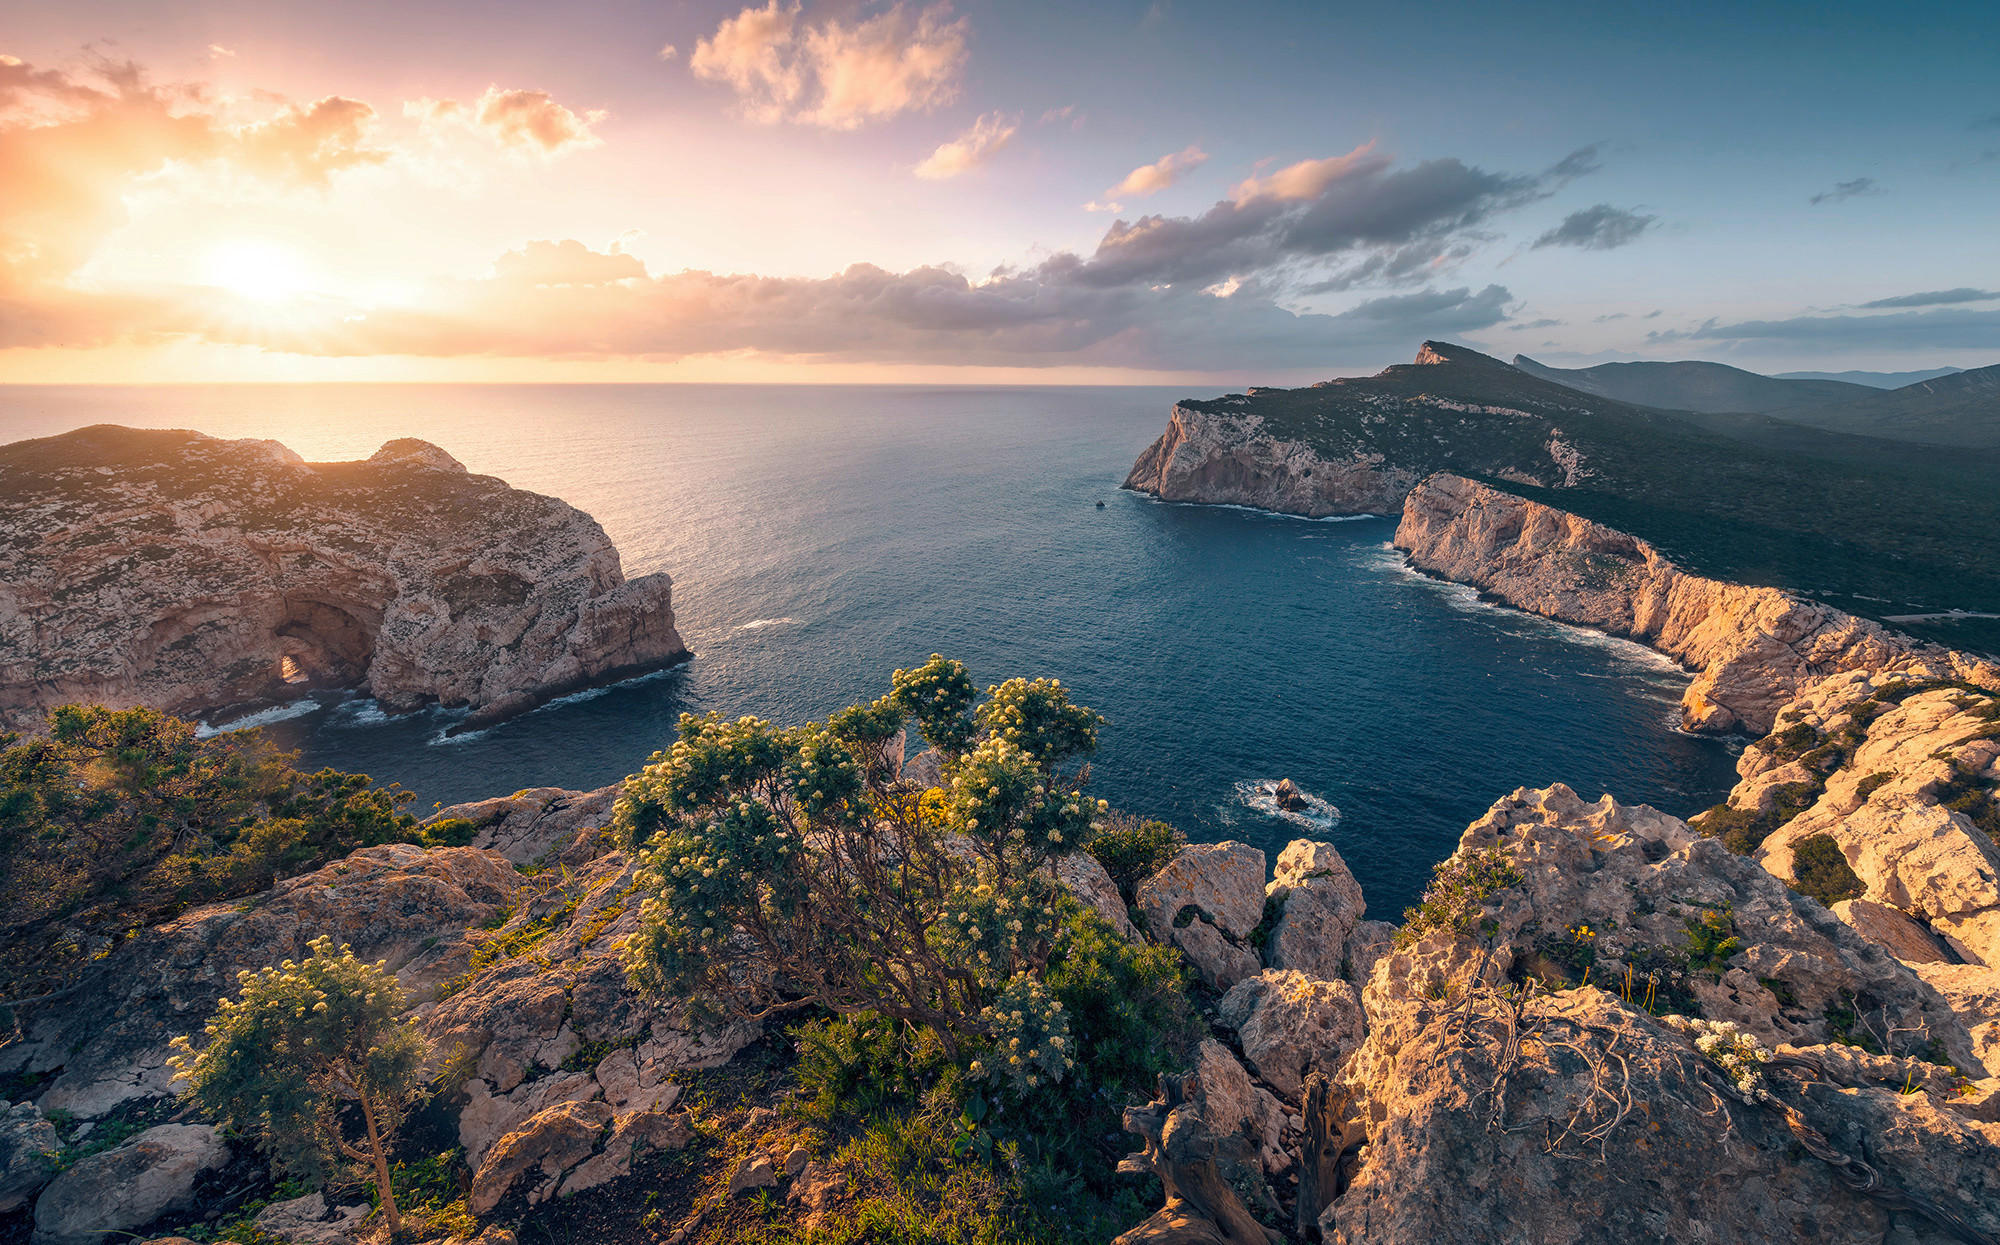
(1467, 598)
(447, 736)
(264, 717)
(1259, 510)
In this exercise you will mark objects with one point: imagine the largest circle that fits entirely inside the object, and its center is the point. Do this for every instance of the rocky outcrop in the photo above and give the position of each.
(109, 1194)
(198, 575)
(28, 1145)
(1753, 649)
(1292, 1026)
(1900, 775)
(1220, 459)
(1207, 901)
(1519, 1082)
(1319, 905)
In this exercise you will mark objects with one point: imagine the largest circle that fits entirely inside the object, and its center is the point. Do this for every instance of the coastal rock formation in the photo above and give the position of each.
(1221, 459)
(1899, 775)
(1206, 901)
(1319, 906)
(1487, 1055)
(1754, 648)
(197, 575)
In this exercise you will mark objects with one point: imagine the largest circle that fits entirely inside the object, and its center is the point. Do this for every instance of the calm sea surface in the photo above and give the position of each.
(819, 537)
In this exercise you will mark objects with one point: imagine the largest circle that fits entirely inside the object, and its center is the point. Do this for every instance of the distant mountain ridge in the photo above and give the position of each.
(1956, 408)
(1874, 380)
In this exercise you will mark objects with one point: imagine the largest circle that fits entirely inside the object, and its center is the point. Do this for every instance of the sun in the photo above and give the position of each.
(264, 272)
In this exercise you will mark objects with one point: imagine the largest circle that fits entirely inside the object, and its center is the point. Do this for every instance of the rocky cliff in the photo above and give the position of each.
(1753, 648)
(1213, 458)
(197, 575)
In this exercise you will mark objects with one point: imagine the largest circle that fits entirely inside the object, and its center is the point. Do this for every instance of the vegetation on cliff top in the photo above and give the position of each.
(119, 818)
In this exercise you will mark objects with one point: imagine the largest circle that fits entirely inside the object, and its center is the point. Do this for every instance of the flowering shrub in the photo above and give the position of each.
(783, 869)
(301, 1040)
(1030, 1035)
(1737, 1053)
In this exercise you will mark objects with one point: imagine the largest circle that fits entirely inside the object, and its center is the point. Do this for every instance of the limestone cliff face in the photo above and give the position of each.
(192, 574)
(1753, 648)
(1231, 460)
(1900, 775)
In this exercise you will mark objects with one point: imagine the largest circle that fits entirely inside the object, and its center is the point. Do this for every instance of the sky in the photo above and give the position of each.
(1126, 191)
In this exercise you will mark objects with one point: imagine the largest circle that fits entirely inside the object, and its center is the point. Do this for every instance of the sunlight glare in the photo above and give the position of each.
(263, 271)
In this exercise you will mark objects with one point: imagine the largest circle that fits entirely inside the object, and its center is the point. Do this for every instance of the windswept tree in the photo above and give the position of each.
(790, 868)
(284, 1060)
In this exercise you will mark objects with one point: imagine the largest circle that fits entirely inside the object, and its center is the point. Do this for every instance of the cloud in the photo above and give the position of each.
(1095, 206)
(985, 139)
(1309, 179)
(568, 262)
(217, 50)
(1068, 112)
(1526, 326)
(1152, 178)
(520, 119)
(73, 142)
(1600, 228)
(1991, 121)
(1935, 298)
(1847, 190)
(835, 74)
(668, 52)
(1342, 222)
(1608, 318)
(1947, 329)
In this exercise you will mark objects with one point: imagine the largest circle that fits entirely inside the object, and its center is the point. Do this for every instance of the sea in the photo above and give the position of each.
(820, 537)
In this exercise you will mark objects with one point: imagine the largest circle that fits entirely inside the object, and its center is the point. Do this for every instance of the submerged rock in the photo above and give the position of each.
(194, 575)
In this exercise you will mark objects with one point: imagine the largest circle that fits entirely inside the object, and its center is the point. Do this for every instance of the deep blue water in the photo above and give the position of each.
(819, 537)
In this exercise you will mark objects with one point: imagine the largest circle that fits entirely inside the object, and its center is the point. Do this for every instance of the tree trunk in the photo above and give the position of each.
(1319, 1170)
(375, 1151)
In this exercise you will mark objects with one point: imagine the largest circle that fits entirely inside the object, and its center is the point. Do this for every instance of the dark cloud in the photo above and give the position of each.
(1948, 329)
(1936, 298)
(1529, 325)
(1848, 190)
(1332, 224)
(1606, 319)
(1600, 228)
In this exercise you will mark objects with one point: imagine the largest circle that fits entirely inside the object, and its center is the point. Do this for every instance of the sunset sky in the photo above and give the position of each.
(1114, 191)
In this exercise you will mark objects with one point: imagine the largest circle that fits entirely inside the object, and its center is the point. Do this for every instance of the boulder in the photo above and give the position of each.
(129, 1186)
(309, 1220)
(632, 1134)
(1207, 901)
(754, 1172)
(28, 1145)
(1320, 904)
(541, 822)
(532, 1160)
(1292, 1026)
(1082, 875)
(1891, 929)
(1287, 795)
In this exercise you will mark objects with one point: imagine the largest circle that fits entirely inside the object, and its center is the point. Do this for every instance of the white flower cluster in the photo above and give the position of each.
(1729, 1048)
(998, 930)
(999, 794)
(1031, 1038)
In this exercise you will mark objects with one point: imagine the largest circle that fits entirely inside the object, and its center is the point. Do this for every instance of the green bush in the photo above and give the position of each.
(1132, 850)
(1459, 888)
(128, 814)
(1712, 940)
(298, 1044)
(1823, 872)
(784, 870)
(1744, 830)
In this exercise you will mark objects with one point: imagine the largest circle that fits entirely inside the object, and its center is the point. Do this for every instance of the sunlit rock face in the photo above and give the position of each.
(196, 575)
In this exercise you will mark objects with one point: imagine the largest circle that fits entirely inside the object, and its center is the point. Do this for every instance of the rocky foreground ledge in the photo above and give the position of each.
(1531, 1057)
(197, 575)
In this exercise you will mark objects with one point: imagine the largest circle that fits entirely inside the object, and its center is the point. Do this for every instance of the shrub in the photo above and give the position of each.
(1132, 850)
(1459, 888)
(1743, 831)
(1823, 872)
(1712, 940)
(126, 811)
(783, 870)
(301, 1041)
